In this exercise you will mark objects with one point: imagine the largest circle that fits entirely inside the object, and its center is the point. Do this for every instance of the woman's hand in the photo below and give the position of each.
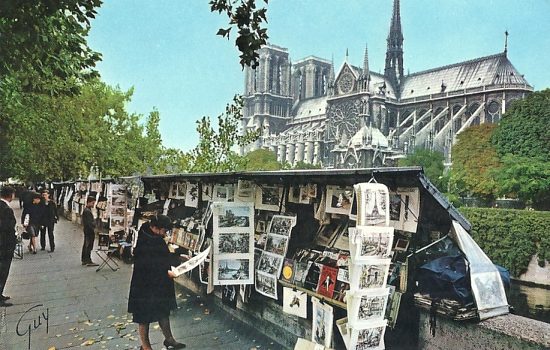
(171, 274)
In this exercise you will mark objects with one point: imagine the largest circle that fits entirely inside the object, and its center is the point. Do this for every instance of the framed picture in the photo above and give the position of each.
(260, 226)
(268, 197)
(233, 243)
(401, 244)
(372, 204)
(327, 281)
(220, 193)
(373, 242)
(405, 208)
(307, 192)
(281, 225)
(276, 244)
(245, 191)
(233, 271)
(371, 337)
(266, 284)
(270, 263)
(294, 194)
(367, 306)
(487, 289)
(295, 302)
(372, 274)
(339, 199)
(322, 323)
(206, 195)
(233, 216)
(192, 195)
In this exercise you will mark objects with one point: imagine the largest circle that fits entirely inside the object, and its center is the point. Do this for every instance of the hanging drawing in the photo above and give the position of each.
(368, 338)
(245, 191)
(373, 242)
(192, 195)
(367, 306)
(369, 275)
(269, 197)
(321, 332)
(295, 302)
(405, 208)
(339, 199)
(372, 204)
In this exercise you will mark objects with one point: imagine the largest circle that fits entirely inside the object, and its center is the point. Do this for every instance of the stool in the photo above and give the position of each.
(106, 257)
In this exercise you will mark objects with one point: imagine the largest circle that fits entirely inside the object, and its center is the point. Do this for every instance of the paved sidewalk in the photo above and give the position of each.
(58, 303)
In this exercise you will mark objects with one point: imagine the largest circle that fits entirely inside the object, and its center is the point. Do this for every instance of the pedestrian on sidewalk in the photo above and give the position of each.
(152, 293)
(32, 220)
(49, 219)
(7, 239)
(88, 223)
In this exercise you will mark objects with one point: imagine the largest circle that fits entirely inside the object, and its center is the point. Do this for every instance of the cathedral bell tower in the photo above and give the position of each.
(394, 53)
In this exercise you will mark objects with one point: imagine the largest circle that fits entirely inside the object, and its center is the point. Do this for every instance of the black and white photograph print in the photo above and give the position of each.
(281, 225)
(294, 194)
(268, 197)
(206, 195)
(395, 206)
(276, 244)
(266, 284)
(118, 190)
(308, 192)
(233, 243)
(369, 338)
(118, 201)
(365, 307)
(232, 271)
(245, 191)
(295, 302)
(117, 223)
(192, 195)
(372, 204)
(373, 242)
(270, 263)
(369, 275)
(488, 290)
(118, 211)
(233, 215)
(339, 199)
(220, 193)
(260, 226)
(323, 316)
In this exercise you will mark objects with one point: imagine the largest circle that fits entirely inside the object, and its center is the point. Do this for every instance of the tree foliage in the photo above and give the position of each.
(260, 159)
(215, 151)
(248, 19)
(525, 178)
(524, 130)
(432, 163)
(61, 137)
(474, 161)
(44, 46)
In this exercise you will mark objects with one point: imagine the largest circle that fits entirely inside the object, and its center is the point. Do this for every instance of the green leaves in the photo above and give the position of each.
(432, 162)
(248, 20)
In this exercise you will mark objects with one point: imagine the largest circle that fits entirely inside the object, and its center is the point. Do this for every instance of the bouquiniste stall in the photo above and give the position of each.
(344, 254)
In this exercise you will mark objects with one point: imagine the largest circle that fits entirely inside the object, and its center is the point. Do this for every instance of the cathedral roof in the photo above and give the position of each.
(312, 107)
(373, 135)
(476, 73)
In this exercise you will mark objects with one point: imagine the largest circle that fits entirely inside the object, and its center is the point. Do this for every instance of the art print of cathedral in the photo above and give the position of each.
(352, 117)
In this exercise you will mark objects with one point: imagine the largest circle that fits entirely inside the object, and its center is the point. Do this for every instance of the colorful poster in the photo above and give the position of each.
(327, 281)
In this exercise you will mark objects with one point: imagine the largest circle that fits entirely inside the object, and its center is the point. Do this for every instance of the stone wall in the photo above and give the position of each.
(498, 333)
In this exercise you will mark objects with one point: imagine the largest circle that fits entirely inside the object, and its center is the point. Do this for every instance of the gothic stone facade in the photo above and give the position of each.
(360, 118)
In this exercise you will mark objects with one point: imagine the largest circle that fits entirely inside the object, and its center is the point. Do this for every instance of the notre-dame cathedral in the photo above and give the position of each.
(359, 118)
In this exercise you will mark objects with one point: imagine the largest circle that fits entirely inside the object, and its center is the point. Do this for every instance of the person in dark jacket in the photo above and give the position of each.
(7, 239)
(89, 232)
(152, 294)
(49, 219)
(32, 220)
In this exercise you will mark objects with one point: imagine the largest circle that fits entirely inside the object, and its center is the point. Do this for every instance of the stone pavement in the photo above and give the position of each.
(60, 304)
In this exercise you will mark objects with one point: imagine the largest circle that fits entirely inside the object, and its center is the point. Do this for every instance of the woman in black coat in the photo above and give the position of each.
(152, 294)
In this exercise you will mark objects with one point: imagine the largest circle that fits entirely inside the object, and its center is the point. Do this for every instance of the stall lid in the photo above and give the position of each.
(487, 286)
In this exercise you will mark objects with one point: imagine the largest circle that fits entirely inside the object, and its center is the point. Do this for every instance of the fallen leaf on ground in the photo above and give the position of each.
(88, 342)
(52, 348)
(111, 316)
(197, 319)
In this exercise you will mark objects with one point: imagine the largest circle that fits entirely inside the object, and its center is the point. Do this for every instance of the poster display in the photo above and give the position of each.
(233, 242)
(116, 199)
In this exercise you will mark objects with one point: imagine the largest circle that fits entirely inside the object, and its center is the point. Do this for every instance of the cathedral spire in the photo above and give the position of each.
(506, 42)
(394, 54)
(366, 70)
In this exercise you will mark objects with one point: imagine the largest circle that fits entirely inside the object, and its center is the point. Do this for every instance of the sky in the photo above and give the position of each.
(168, 50)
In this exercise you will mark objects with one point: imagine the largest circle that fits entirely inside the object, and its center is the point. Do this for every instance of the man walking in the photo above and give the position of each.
(89, 232)
(7, 239)
(49, 218)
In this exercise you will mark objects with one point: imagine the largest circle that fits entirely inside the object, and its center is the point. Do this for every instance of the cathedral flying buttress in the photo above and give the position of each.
(360, 118)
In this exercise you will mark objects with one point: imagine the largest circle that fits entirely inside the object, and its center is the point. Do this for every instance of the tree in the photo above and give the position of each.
(46, 42)
(260, 159)
(524, 129)
(248, 19)
(474, 160)
(215, 153)
(304, 165)
(432, 163)
(61, 137)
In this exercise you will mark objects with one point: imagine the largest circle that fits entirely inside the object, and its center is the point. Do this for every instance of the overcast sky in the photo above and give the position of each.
(168, 51)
